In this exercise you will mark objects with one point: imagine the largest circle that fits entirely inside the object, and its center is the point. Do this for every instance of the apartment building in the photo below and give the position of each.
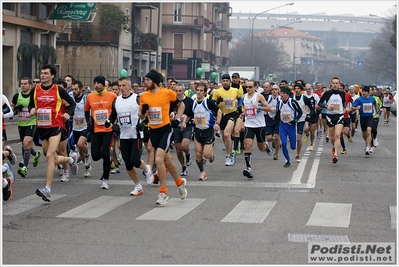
(28, 39)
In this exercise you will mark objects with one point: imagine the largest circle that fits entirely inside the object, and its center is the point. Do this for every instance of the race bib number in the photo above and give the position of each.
(200, 121)
(272, 113)
(79, 122)
(367, 108)
(155, 115)
(336, 107)
(228, 103)
(250, 113)
(286, 117)
(24, 115)
(100, 116)
(44, 117)
(125, 119)
(307, 110)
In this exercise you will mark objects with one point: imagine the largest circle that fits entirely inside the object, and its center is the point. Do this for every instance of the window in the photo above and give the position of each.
(44, 11)
(7, 6)
(178, 45)
(27, 8)
(178, 12)
(44, 39)
(26, 37)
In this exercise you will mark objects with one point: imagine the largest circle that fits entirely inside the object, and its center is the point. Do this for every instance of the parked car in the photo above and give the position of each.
(393, 105)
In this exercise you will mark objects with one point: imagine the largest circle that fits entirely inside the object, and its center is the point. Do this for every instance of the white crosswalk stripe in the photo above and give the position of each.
(248, 211)
(18, 206)
(330, 215)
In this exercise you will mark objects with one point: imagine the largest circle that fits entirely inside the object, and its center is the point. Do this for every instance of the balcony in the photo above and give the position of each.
(191, 53)
(89, 34)
(146, 42)
(171, 20)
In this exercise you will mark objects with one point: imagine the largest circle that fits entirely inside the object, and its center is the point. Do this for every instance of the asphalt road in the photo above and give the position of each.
(227, 219)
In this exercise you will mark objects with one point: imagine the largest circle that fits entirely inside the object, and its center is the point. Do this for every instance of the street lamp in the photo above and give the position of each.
(373, 15)
(370, 30)
(252, 25)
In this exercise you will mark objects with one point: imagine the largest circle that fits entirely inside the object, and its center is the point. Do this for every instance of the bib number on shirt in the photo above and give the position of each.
(286, 117)
(125, 119)
(44, 117)
(100, 116)
(155, 115)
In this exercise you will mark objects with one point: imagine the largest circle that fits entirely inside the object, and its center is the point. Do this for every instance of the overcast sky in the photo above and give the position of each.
(356, 8)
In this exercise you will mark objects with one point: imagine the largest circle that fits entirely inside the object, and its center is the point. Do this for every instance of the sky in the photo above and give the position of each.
(356, 8)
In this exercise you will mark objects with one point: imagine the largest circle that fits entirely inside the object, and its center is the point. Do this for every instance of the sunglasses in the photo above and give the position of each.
(36, 81)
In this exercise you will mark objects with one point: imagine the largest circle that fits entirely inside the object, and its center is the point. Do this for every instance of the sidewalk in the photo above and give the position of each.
(12, 130)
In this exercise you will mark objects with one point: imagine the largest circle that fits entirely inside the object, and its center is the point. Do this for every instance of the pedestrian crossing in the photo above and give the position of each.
(323, 214)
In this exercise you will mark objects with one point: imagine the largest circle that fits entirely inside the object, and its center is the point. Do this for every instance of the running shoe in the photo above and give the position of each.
(182, 189)
(115, 170)
(367, 151)
(212, 159)
(327, 139)
(189, 160)
(268, 151)
(88, 170)
(287, 164)
(247, 172)
(12, 157)
(275, 156)
(162, 198)
(344, 151)
(7, 172)
(104, 184)
(350, 137)
(372, 150)
(184, 172)
(119, 159)
(149, 177)
(203, 160)
(44, 194)
(156, 178)
(138, 190)
(311, 147)
(23, 171)
(227, 163)
(233, 157)
(36, 159)
(335, 158)
(305, 140)
(74, 165)
(65, 177)
(375, 142)
(7, 191)
(60, 170)
(202, 176)
(297, 159)
(239, 151)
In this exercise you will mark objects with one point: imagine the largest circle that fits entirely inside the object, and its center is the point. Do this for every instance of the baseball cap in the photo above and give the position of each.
(235, 74)
(226, 76)
(352, 87)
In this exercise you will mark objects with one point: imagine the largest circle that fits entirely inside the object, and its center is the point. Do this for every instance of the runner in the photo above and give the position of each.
(272, 129)
(125, 108)
(311, 121)
(47, 103)
(155, 103)
(334, 102)
(207, 117)
(288, 111)
(366, 106)
(230, 103)
(254, 107)
(26, 125)
(97, 109)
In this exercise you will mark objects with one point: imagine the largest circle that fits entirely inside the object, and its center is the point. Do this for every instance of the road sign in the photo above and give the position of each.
(73, 11)
(360, 63)
(308, 61)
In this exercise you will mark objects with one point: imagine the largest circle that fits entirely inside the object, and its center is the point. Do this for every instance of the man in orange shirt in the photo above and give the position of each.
(155, 104)
(98, 108)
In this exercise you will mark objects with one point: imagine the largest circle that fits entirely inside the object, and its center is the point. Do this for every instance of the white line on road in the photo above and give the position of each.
(96, 207)
(250, 211)
(27, 203)
(330, 215)
(173, 210)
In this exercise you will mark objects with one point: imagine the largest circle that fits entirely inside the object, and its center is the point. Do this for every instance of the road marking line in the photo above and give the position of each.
(96, 207)
(173, 210)
(24, 204)
(330, 215)
(305, 238)
(250, 211)
(393, 213)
